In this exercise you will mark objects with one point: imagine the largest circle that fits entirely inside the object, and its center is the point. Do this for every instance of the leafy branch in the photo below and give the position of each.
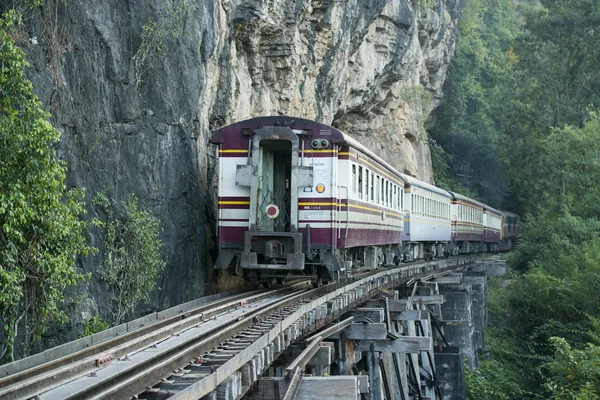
(155, 34)
(132, 255)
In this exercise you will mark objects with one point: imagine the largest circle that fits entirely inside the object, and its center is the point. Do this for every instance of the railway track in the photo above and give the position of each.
(224, 344)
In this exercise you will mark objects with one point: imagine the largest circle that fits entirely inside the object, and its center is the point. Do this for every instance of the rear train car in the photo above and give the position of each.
(510, 230)
(297, 198)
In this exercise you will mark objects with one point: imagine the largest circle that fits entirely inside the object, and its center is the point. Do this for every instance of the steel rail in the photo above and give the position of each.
(32, 381)
(129, 380)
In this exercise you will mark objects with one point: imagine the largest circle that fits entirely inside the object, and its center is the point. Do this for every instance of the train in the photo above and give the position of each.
(298, 198)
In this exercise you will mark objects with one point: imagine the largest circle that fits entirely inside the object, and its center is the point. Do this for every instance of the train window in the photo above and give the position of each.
(360, 182)
(381, 186)
(395, 196)
(372, 186)
(401, 199)
(353, 178)
(387, 193)
(366, 184)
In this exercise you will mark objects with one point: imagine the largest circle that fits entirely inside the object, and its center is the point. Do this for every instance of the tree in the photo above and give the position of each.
(40, 232)
(132, 255)
(470, 127)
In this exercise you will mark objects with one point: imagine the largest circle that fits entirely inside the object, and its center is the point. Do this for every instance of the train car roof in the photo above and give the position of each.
(488, 208)
(510, 214)
(319, 129)
(458, 196)
(415, 182)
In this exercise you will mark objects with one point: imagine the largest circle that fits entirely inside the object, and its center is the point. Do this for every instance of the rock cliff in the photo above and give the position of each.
(136, 88)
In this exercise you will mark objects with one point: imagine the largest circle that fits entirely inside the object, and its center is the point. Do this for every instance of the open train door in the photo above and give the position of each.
(274, 175)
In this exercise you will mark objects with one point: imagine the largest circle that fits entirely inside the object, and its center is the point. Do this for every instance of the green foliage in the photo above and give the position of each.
(520, 119)
(155, 33)
(94, 325)
(40, 232)
(493, 380)
(470, 121)
(573, 373)
(132, 255)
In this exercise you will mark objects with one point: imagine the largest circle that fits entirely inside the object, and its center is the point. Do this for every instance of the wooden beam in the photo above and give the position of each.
(325, 333)
(329, 388)
(400, 305)
(390, 294)
(454, 323)
(304, 357)
(410, 315)
(404, 344)
(322, 388)
(375, 314)
(292, 390)
(448, 280)
(374, 304)
(375, 392)
(363, 331)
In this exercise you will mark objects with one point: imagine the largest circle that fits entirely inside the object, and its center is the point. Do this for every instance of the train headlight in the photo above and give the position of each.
(315, 144)
(324, 143)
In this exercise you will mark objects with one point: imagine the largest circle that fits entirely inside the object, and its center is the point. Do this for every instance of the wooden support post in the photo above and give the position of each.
(410, 315)
(375, 392)
(414, 364)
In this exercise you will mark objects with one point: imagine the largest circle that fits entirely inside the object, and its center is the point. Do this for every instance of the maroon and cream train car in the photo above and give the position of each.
(492, 229)
(467, 224)
(300, 198)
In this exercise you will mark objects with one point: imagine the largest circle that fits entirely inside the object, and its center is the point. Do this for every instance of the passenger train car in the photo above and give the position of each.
(300, 198)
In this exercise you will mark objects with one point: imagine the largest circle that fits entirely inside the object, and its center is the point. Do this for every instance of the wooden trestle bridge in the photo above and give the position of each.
(384, 335)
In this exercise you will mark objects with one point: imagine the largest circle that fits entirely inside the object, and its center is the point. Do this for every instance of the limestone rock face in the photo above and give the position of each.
(137, 119)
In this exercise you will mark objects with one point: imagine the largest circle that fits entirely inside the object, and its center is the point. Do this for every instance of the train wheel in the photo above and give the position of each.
(280, 281)
(317, 283)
